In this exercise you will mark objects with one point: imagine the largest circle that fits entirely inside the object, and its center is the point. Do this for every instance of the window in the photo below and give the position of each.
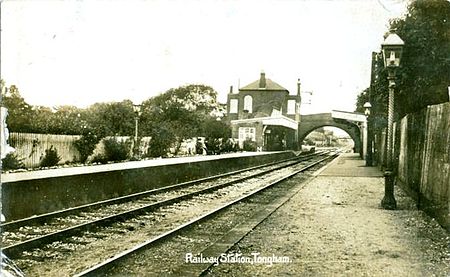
(291, 107)
(247, 133)
(248, 103)
(233, 105)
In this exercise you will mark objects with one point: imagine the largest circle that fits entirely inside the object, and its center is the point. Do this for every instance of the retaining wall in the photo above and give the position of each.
(32, 193)
(424, 159)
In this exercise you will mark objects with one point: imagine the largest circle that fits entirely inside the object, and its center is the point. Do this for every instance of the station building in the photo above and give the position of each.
(265, 113)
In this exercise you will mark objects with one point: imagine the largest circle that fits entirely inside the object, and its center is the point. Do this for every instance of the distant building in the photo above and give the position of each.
(265, 113)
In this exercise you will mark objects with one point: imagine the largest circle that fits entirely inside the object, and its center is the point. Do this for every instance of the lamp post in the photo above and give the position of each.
(392, 51)
(137, 114)
(367, 107)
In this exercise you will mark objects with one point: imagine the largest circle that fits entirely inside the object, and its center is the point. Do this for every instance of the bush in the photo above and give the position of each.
(50, 158)
(199, 147)
(229, 146)
(213, 146)
(158, 148)
(249, 145)
(11, 162)
(86, 145)
(115, 150)
(99, 158)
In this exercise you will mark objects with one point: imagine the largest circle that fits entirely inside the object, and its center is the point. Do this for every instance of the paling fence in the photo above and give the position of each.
(422, 158)
(30, 148)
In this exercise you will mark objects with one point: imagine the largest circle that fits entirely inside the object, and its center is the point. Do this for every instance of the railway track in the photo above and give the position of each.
(25, 234)
(44, 218)
(168, 209)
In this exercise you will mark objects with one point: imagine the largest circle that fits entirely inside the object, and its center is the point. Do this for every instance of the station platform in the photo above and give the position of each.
(334, 226)
(88, 169)
(350, 165)
(32, 193)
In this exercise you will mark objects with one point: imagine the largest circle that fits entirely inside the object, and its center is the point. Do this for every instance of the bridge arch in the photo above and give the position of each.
(309, 123)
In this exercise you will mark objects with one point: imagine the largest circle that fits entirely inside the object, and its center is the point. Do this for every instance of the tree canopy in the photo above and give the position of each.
(178, 114)
(20, 114)
(424, 75)
(169, 118)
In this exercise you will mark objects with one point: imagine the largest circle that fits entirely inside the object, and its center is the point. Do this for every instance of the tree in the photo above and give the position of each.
(176, 115)
(211, 127)
(43, 120)
(424, 75)
(361, 99)
(111, 119)
(23, 117)
(162, 138)
(379, 93)
(68, 120)
(20, 113)
(64, 120)
(168, 122)
(216, 133)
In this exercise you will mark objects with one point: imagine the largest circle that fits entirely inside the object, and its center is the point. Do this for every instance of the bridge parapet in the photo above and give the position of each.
(349, 122)
(316, 117)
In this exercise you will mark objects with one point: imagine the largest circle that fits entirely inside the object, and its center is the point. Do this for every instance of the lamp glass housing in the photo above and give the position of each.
(392, 49)
(367, 107)
(137, 109)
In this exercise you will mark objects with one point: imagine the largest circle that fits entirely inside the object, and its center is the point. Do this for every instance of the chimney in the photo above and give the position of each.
(231, 89)
(298, 86)
(262, 80)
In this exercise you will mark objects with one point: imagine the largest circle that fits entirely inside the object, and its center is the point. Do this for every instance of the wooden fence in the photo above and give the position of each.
(424, 159)
(30, 148)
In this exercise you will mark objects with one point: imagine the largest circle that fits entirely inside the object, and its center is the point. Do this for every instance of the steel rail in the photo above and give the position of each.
(15, 250)
(39, 219)
(102, 268)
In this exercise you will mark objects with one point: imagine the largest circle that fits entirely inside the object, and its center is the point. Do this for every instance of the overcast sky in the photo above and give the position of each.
(82, 52)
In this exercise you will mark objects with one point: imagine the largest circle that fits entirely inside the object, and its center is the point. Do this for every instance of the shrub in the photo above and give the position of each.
(99, 158)
(86, 145)
(50, 158)
(115, 150)
(199, 147)
(11, 161)
(158, 147)
(229, 146)
(213, 146)
(249, 145)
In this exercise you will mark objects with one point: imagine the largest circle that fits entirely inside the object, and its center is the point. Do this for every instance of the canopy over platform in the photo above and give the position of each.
(278, 120)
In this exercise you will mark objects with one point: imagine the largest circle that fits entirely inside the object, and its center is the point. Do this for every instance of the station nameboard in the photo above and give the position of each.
(349, 116)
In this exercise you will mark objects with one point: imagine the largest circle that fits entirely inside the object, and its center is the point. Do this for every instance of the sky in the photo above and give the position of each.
(83, 52)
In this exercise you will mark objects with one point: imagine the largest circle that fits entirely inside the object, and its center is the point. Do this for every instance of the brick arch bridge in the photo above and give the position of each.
(349, 122)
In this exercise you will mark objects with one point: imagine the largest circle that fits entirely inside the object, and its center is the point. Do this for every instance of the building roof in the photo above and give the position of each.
(263, 84)
(277, 120)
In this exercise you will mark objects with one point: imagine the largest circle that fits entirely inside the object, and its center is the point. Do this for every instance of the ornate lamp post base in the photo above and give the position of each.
(388, 202)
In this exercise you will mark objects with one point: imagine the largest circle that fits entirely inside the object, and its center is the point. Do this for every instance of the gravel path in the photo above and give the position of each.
(335, 227)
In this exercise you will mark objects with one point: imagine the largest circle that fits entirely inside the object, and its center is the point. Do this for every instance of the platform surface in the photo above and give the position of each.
(86, 169)
(351, 165)
(334, 226)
